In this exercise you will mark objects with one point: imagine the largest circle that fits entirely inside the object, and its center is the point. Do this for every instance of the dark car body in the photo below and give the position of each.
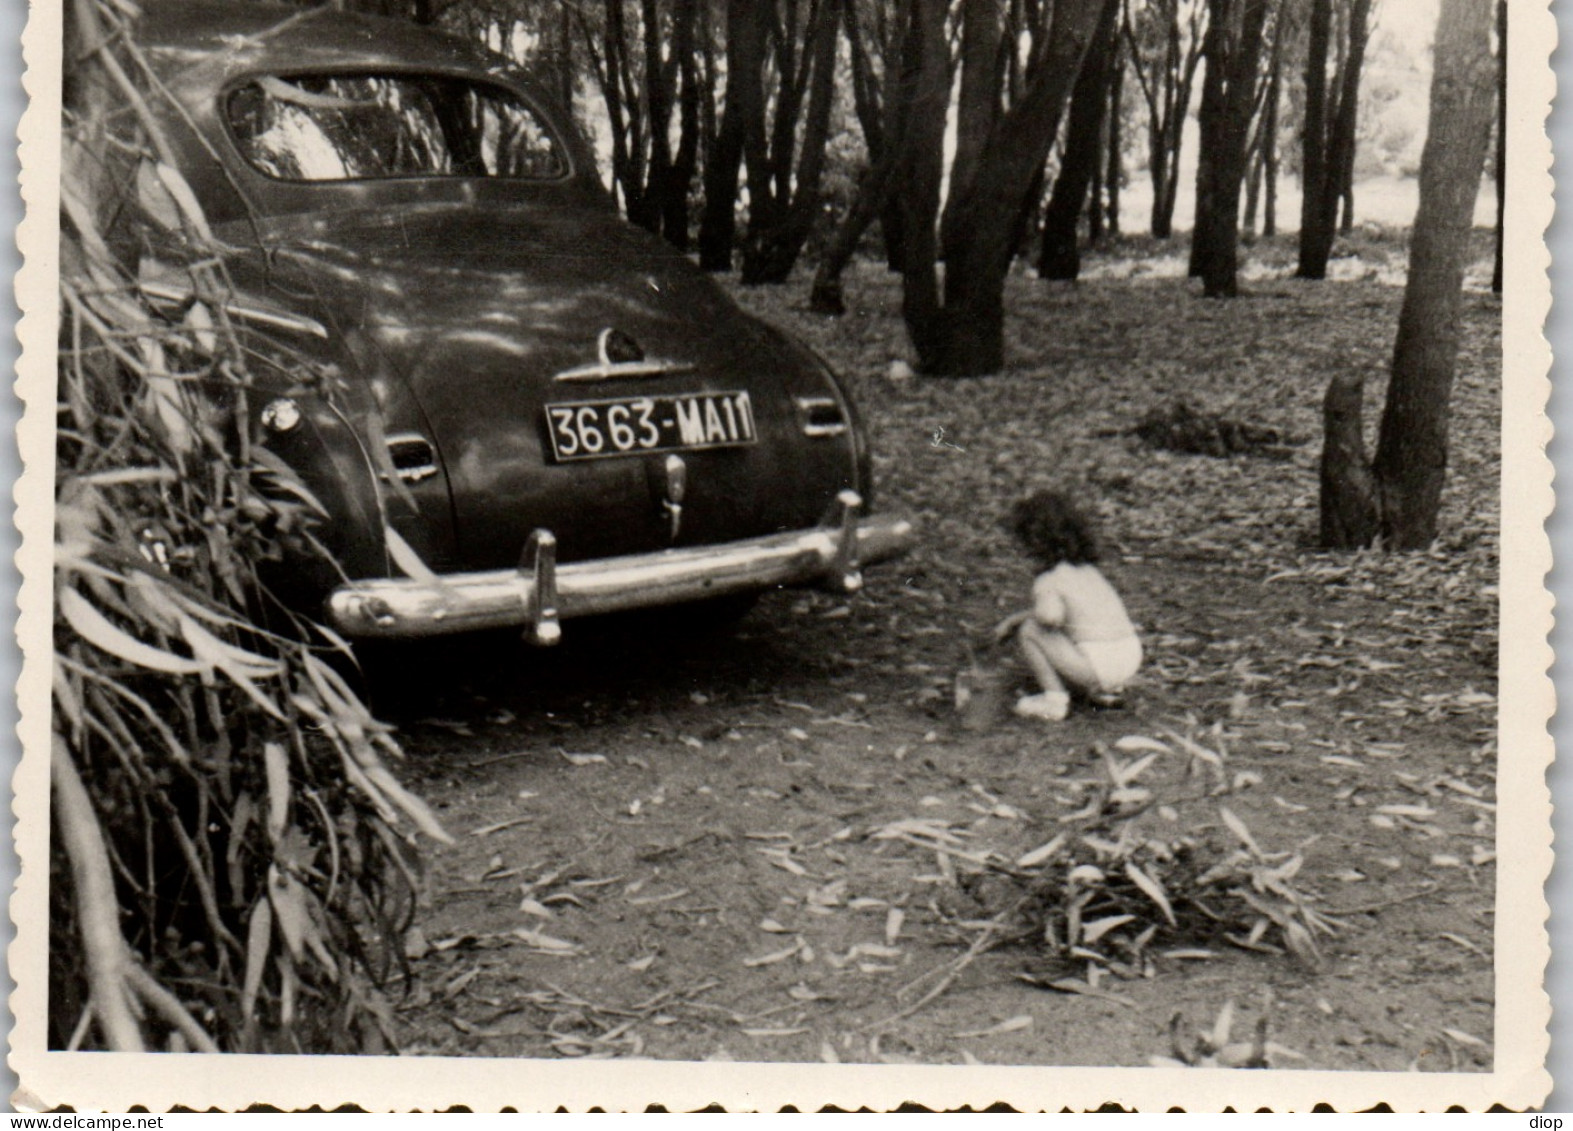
(557, 413)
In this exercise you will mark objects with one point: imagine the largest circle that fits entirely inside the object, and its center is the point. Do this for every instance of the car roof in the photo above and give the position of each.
(263, 35)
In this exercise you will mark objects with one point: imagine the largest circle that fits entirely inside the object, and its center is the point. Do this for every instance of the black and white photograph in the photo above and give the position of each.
(635, 553)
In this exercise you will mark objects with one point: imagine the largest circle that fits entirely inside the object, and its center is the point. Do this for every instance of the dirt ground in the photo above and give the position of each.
(802, 838)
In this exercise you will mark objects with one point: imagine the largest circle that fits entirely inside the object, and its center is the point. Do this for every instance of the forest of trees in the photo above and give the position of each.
(962, 133)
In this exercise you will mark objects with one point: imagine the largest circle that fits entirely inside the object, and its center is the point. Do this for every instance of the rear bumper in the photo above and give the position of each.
(539, 593)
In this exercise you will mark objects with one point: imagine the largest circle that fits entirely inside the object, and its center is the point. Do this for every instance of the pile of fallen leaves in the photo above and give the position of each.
(1152, 869)
(1180, 427)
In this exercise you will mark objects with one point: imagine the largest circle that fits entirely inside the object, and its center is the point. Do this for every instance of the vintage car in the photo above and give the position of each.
(459, 341)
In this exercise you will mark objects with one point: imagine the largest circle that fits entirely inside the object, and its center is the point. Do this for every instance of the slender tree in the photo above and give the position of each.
(1164, 38)
(991, 188)
(884, 112)
(1060, 258)
(1328, 141)
(743, 113)
(1262, 154)
(1398, 496)
(646, 66)
(1270, 135)
(783, 203)
(1114, 144)
(920, 170)
(1233, 48)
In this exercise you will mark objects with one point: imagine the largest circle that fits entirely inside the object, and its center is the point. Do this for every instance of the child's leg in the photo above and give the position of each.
(1051, 655)
(1056, 659)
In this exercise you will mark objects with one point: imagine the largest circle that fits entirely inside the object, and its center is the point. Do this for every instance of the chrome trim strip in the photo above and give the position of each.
(395, 608)
(279, 320)
(609, 370)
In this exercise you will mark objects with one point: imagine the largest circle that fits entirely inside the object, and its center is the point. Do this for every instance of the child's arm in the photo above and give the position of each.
(1006, 627)
(1048, 605)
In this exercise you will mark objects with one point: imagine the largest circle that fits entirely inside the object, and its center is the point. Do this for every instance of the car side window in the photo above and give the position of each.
(336, 127)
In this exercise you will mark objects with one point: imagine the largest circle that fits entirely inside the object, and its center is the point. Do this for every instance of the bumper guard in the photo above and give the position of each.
(540, 593)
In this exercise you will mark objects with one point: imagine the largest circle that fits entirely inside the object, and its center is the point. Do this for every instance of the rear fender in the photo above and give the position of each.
(804, 388)
(328, 455)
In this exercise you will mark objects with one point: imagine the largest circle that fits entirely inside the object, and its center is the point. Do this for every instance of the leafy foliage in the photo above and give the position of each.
(230, 869)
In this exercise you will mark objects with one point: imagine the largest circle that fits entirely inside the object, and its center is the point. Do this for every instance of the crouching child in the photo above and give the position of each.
(1077, 636)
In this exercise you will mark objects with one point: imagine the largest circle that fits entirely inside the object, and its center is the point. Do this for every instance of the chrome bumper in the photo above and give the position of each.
(540, 593)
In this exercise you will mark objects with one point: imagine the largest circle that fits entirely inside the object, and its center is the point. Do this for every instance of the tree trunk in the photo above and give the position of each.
(685, 163)
(1316, 239)
(1341, 143)
(772, 250)
(1264, 145)
(1233, 49)
(1501, 170)
(920, 171)
(1162, 219)
(1115, 171)
(758, 163)
(1330, 151)
(1166, 77)
(1253, 192)
(1411, 455)
(1060, 258)
(1270, 153)
(1096, 216)
(884, 131)
(743, 111)
(648, 207)
(980, 239)
(977, 103)
(1348, 510)
(825, 296)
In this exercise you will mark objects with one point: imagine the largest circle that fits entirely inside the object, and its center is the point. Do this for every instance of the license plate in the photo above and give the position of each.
(628, 426)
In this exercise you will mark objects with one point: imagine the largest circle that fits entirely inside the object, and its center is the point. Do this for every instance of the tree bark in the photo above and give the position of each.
(1060, 257)
(1270, 148)
(1316, 242)
(1115, 172)
(774, 244)
(1341, 144)
(884, 120)
(1093, 210)
(1348, 509)
(647, 207)
(685, 162)
(1233, 49)
(980, 237)
(1330, 132)
(1167, 82)
(977, 103)
(743, 111)
(1411, 454)
(920, 171)
(1264, 142)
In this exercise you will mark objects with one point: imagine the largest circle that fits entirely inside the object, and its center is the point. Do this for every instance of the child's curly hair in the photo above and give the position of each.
(1052, 530)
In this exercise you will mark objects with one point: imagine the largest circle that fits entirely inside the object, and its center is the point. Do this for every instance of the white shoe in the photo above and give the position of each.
(1050, 705)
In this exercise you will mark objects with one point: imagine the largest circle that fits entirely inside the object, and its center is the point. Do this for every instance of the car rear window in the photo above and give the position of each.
(340, 127)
